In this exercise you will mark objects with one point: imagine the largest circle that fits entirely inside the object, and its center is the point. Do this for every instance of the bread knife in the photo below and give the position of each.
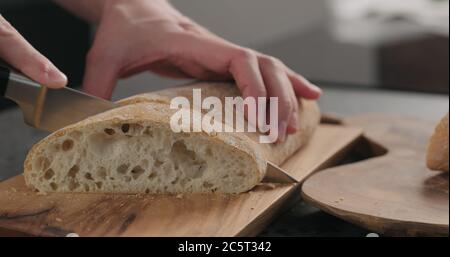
(51, 109)
(275, 174)
(48, 109)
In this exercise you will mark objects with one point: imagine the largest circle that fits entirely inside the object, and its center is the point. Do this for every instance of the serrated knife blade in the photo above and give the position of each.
(49, 109)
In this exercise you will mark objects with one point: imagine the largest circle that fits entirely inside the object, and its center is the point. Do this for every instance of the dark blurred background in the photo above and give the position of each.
(387, 44)
(60, 36)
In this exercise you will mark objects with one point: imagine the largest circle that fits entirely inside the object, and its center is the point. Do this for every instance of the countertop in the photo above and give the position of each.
(301, 220)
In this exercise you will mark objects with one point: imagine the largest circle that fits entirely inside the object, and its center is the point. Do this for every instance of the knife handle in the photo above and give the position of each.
(13, 80)
(22, 90)
(4, 78)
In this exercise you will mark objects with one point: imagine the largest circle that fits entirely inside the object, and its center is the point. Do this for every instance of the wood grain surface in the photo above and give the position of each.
(394, 194)
(57, 214)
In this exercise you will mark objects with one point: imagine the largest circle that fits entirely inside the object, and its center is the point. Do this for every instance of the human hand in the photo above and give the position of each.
(17, 52)
(135, 36)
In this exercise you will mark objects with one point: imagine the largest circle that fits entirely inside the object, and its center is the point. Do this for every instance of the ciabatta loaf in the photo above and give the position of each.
(309, 116)
(132, 149)
(437, 157)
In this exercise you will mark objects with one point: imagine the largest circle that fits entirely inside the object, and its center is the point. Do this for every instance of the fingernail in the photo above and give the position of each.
(57, 78)
(316, 88)
(282, 127)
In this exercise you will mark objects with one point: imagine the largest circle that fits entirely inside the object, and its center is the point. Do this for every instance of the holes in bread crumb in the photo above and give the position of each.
(127, 179)
(151, 176)
(207, 184)
(49, 174)
(179, 148)
(99, 185)
(54, 186)
(109, 131)
(86, 187)
(187, 160)
(209, 152)
(136, 129)
(158, 163)
(137, 171)
(101, 173)
(132, 129)
(42, 163)
(73, 171)
(123, 168)
(147, 191)
(88, 176)
(148, 131)
(67, 145)
(125, 128)
(73, 185)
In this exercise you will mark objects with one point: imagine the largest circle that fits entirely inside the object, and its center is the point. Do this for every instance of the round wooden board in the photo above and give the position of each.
(394, 194)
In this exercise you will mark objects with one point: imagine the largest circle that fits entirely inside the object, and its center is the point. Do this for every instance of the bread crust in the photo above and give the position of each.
(309, 116)
(437, 156)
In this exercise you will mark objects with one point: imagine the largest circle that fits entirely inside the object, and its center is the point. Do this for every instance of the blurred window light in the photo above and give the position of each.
(365, 21)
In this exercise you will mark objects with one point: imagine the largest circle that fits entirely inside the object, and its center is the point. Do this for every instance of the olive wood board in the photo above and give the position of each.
(394, 194)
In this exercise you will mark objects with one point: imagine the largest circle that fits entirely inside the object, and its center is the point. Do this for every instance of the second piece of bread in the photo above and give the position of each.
(437, 156)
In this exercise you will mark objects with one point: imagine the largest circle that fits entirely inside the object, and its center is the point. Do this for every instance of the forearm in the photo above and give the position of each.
(92, 10)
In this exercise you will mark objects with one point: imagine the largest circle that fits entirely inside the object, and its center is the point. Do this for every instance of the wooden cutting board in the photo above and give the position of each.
(57, 214)
(394, 194)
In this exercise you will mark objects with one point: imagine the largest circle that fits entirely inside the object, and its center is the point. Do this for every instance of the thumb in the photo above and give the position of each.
(100, 77)
(16, 51)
